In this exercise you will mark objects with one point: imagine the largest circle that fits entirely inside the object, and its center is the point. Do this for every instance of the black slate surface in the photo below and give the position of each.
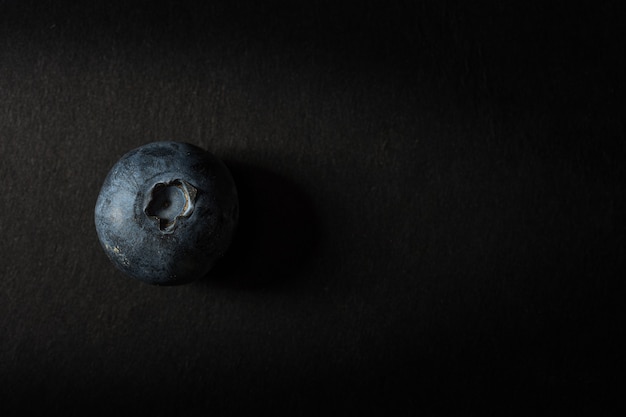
(432, 207)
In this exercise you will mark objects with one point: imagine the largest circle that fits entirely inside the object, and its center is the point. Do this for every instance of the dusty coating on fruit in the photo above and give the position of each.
(115, 251)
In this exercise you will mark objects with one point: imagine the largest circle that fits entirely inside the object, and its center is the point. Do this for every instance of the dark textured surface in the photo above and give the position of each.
(431, 206)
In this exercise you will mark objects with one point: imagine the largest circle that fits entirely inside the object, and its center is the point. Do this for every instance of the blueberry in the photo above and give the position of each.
(166, 212)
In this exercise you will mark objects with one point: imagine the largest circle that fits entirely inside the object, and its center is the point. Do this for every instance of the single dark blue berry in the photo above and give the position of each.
(167, 212)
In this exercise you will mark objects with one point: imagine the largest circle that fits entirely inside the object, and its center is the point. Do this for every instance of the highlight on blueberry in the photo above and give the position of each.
(167, 211)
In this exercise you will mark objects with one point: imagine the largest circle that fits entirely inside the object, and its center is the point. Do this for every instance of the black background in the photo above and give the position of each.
(431, 220)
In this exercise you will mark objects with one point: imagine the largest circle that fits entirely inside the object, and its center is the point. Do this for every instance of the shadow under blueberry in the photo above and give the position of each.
(275, 235)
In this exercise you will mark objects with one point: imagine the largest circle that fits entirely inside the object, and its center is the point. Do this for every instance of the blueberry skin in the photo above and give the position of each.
(166, 212)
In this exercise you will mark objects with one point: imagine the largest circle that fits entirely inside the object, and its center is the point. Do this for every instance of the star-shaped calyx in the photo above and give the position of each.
(169, 202)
